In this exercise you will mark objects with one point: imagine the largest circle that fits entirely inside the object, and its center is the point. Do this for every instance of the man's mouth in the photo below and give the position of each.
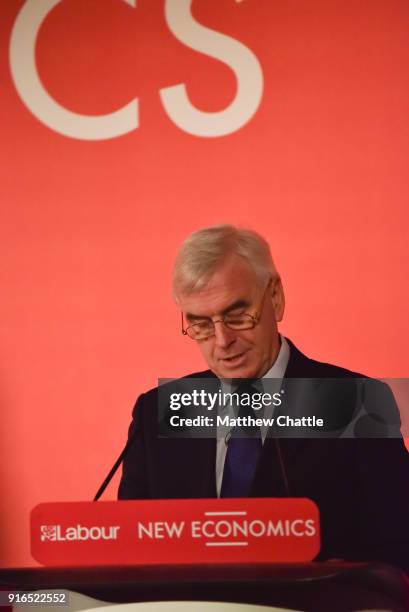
(234, 360)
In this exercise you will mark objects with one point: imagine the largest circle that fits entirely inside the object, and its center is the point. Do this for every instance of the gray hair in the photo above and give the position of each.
(205, 250)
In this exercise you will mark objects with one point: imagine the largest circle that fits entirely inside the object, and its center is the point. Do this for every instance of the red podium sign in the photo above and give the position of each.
(175, 532)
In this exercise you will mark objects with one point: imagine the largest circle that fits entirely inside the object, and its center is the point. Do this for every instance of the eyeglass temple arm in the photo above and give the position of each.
(184, 332)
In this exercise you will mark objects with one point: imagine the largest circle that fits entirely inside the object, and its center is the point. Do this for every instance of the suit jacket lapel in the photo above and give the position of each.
(279, 453)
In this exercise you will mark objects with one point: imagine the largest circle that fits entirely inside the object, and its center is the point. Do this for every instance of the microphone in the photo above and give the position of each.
(115, 467)
(282, 466)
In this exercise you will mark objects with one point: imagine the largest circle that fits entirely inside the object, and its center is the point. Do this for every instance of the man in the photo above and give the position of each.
(231, 299)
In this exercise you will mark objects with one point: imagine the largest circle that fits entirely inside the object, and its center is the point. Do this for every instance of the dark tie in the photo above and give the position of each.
(243, 451)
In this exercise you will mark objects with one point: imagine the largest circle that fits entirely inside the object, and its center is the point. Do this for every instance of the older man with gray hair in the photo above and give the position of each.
(231, 300)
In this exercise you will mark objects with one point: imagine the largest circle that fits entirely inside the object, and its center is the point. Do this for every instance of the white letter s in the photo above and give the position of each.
(237, 56)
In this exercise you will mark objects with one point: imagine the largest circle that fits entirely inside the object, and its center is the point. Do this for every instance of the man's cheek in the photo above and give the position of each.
(206, 352)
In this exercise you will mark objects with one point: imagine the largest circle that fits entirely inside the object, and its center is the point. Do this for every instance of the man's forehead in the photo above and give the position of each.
(233, 280)
(233, 270)
(219, 297)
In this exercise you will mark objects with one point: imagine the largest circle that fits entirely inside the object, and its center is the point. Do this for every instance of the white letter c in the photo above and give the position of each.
(41, 104)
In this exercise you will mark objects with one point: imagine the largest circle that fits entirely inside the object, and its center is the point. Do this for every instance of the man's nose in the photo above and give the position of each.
(224, 336)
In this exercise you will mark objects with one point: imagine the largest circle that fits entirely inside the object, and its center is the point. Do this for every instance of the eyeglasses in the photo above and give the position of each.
(239, 322)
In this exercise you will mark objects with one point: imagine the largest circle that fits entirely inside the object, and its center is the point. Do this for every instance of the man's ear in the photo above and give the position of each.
(277, 298)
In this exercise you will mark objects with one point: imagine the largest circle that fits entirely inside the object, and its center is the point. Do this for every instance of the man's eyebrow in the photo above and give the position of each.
(192, 317)
(234, 306)
(237, 304)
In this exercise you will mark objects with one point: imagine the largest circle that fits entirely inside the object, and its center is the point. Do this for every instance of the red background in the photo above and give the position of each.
(89, 228)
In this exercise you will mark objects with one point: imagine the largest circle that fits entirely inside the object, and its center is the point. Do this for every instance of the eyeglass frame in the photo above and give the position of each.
(254, 318)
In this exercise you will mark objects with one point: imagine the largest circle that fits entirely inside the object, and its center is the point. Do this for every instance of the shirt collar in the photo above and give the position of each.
(279, 367)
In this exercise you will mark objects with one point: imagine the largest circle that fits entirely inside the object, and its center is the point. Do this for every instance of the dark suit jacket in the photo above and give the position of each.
(361, 485)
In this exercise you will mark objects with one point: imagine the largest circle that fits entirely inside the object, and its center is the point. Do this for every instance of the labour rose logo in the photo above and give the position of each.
(48, 532)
